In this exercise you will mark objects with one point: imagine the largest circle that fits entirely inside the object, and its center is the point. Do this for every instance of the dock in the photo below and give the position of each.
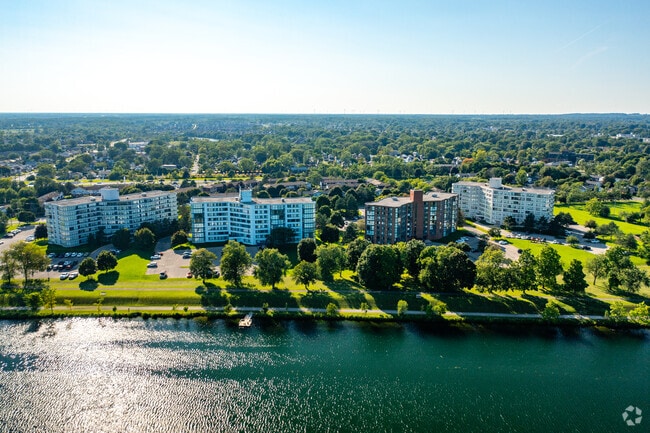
(247, 321)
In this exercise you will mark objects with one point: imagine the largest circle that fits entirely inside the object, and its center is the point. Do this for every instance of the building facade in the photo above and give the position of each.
(70, 222)
(422, 216)
(250, 221)
(493, 202)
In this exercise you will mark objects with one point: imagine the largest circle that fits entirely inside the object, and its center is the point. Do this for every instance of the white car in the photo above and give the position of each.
(155, 257)
(152, 265)
(64, 276)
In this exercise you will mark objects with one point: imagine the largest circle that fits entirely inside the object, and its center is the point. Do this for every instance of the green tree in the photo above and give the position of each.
(87, 267)
(144, 239)
(410, 255)
(307, 249)
(551, 311)
(402, 307)
(597, 267)
(33, 300)
(29, 258)
(330, 234)
(446, 268)
(9, 266)
(40, 232)
(509, 222)
(524, 271)
(572, 240)
(594, 206)
(68, 303)
(354, 250)
(48, 296)
(330, 259)
(364, 307)
(378, 267)
(202, 263)
(351, 233)
(26, 216)
(106, 261)
(179, 238)
(574, 278)
(332, 309)
(548, 267)
(640, 314)
(521, 178)
(271, 266)
(121, 239)
(235, 261)
(617, 311)
(494, 232)
(305, 273)
(490, 270)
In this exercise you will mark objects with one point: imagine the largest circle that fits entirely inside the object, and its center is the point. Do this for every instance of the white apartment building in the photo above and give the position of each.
(493, 202)
(247, 220)
(70, 222)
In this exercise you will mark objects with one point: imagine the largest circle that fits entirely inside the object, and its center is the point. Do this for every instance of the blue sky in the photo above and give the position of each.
(336, 56)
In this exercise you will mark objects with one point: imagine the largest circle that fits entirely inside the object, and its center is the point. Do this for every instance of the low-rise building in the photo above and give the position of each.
(247, 220)
(70, 222)
(492, 202)
(430, 216)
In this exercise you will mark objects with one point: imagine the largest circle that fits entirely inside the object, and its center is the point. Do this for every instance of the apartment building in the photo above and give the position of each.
(492, 202)
(70, 222)
(430, 216)
(247, 220)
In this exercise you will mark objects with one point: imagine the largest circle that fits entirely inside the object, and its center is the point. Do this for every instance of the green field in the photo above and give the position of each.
(580, 215)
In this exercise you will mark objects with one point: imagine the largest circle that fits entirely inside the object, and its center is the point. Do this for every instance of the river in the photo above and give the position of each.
(165, 375)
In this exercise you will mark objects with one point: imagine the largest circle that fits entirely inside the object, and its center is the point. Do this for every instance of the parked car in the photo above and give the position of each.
(73, 275)
(189, 275)
(64, 276)
(155, 257)
(187, 255)
(152, 265)
(163, 275)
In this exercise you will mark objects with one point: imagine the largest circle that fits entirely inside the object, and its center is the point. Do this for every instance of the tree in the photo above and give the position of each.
(29, 258)
(332, 309)
(402, 307)
(494, 232)
(521, 178)
(551, 311)
(353, 252)
(446, 268)
(378, 267)
(40, 232)
(640, 314)
(572, 240)
(364, 306)
(509, 222)
(121, 239)
(305, 273)
(574, 278)
(106, 261)
(307, 249)
(26, 216)
(594, 206)
(591, 224)
(597, 267)
(33, 300)
(330, 259)
(235, 261)
(490, 270)
(524, 271)
(564, 219)
(351, 233)
(9, 266)
(48, 297)
(548, 267)
(410, 256)
(271, 266)
(330, 234)
(529, 222)
(87, 267)
(179, 238)
(202, 263)
(280, 236)
(617, 311)
(144, 239)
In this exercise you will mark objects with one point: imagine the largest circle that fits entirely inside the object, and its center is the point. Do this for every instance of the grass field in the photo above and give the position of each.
(580, 215)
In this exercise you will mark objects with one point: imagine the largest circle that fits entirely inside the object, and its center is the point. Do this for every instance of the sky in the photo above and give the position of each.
(333, 56)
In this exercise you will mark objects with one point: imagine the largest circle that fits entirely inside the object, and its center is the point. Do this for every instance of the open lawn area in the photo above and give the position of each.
(580, 215)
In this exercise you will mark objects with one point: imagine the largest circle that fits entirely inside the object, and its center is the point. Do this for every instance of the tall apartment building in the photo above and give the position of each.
(493, 202)
(422, 216)
(70, 222)
(249, 221)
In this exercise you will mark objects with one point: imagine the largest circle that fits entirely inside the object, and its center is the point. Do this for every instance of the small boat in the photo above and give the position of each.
(247, 321)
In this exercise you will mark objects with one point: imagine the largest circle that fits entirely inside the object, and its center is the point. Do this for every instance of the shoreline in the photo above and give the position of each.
(450, 318)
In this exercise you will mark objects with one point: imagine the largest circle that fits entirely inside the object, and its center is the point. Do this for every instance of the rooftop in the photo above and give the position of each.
(234, 198)
(400, 201)
(508, 188)
(123, 198)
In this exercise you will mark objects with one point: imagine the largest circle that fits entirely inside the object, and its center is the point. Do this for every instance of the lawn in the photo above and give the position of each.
(566, 252)
(580, 215)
